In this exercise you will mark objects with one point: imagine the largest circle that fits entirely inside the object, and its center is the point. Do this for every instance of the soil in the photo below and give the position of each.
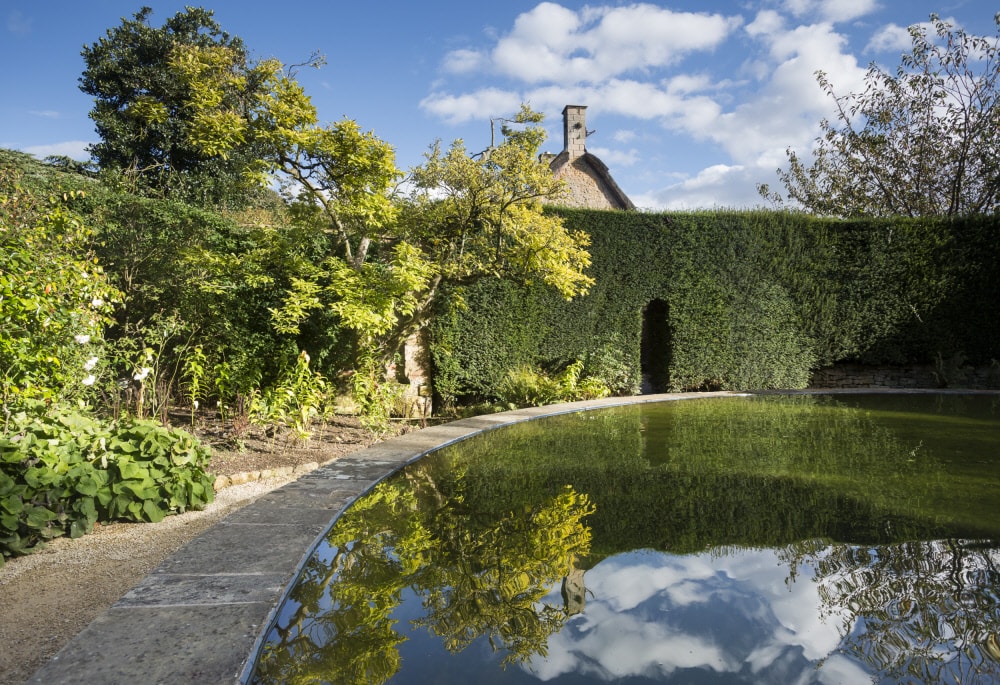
(47, 597)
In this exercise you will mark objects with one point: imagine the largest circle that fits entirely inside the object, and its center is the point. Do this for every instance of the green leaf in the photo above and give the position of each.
(104, 495)
(122, 446)
(88, 486)
(130, 469)
(80, 527)
(153, 512)
(12, 504)
(8, 522)
(39, 517)
(142, 489)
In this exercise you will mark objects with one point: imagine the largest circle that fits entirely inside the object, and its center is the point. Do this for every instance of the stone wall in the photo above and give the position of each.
(416, 400)
(857, 376)
(586, 188)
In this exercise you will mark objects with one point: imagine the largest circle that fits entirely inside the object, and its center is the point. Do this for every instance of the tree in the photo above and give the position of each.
(464, 218)
(138, 104)
(922, 142)
(208, 107)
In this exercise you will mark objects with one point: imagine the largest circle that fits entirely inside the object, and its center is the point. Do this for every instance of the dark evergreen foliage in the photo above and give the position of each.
(753, 300)
(140, 111)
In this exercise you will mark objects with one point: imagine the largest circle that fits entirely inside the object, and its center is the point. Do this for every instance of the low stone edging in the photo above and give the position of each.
(283, 472)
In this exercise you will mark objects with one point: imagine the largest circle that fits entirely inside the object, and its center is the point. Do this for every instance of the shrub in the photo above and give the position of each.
(297, 398)
(61, 471)
(54, 298)
(746, 300)
(527, 387)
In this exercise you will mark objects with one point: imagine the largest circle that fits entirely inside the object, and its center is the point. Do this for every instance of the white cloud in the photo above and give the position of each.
(717, 186)
(74, 149)
(846, 10)
(45, 114)
(766, 22)
(624, 136)
(688, 83)
(457, 109)
(556, 44)
(799, 8)
(616, 158)
(786, 109)
(895, 38)
(464, 61)
(889, 37)
(834, 11)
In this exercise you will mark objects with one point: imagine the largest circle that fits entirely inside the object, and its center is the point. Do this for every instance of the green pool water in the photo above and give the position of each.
(762, 539)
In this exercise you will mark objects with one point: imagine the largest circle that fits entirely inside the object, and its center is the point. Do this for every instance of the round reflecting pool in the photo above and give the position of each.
(763, 539)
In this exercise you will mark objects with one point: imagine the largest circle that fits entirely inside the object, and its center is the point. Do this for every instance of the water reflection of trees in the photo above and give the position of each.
(682, 476)
(923, 612)
(477, 575)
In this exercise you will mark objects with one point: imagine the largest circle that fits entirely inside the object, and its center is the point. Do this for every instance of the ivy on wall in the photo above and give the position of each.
(752, 300)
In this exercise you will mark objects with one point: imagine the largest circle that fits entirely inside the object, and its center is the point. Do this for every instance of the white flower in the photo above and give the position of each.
(141, 376)
(96, 302)
(53, 442)
(89, 380)
(91, 363)
(82, 339)
(195, 403)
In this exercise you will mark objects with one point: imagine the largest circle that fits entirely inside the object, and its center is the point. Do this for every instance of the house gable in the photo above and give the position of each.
(588, 180)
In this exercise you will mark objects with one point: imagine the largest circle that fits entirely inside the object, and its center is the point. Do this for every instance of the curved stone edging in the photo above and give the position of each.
(199, 616)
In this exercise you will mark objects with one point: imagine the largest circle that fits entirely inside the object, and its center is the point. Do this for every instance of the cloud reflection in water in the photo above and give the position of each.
(655, 615)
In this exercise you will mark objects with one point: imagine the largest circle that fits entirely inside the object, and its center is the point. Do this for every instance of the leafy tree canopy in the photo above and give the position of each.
(463, 217)
(923, 141)
(139, 104)
(183, 108)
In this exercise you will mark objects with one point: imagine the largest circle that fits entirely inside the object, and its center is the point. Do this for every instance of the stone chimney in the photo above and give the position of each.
(575, 130)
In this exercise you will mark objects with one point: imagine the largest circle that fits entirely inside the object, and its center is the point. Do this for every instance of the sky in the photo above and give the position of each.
(692, 103)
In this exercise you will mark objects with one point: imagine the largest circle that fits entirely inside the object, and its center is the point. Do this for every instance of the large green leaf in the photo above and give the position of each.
(39, 517)
(12, 504)
(152, 511)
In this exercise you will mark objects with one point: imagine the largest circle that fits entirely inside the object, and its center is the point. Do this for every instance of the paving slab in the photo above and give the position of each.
(127, 645)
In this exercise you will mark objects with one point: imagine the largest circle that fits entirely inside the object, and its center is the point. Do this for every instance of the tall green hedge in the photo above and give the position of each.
(752, 300)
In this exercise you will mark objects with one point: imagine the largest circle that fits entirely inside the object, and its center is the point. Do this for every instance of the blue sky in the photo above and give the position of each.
(693, 102)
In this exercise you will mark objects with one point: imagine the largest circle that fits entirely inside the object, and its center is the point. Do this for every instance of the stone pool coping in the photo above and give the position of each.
(200, 615)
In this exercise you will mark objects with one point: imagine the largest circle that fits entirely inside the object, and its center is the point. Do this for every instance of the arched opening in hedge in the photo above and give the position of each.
(655, 347)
